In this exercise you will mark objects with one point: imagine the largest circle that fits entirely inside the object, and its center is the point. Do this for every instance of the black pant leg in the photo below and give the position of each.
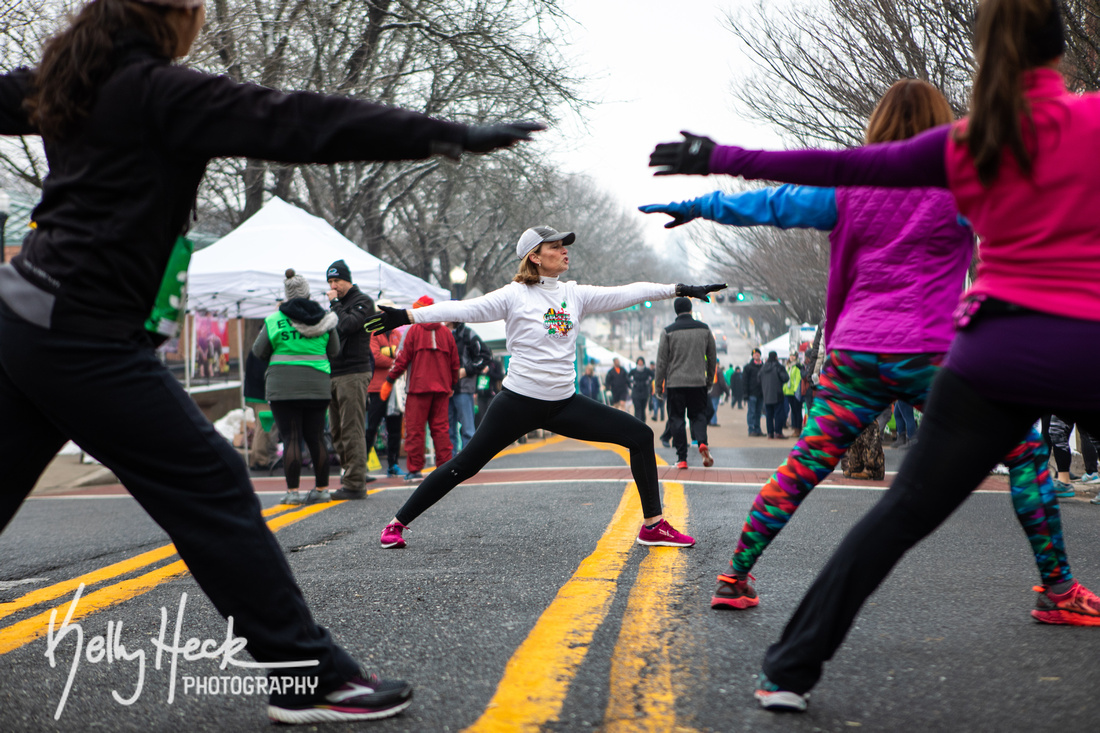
(698, 410)
(509, 417)
(313, 432)
(677, 406)
(136, 418)
(376, 412)
(962, 437)
(585, 419)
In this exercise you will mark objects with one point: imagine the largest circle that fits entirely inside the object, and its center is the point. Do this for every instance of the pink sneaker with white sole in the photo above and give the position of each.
(391, 535)
(664, 535)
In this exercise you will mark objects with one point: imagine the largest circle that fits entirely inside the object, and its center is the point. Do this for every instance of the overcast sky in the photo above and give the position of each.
(653, 68)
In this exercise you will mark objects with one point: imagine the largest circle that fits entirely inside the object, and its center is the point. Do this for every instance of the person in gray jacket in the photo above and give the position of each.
(686, 362)
(772, 378)
(299, 341)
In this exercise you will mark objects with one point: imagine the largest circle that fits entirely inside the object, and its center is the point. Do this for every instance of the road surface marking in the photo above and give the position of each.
(24, 632)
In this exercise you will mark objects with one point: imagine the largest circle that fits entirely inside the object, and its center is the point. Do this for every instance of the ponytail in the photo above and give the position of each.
(1010, 37)
(77, 61)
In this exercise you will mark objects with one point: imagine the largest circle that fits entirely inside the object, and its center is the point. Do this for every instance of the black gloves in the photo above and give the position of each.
(483, 138)
(689, 157)
(387, 319)
(698, 291)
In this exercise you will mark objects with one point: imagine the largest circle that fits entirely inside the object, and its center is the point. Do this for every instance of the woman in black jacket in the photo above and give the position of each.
(772, 378)
(127, 137)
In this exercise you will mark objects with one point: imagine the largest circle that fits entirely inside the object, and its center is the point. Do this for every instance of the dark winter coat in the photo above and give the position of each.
(121, 189)
(772, 377)
(355, 355)
(473, 356)
(751, 375)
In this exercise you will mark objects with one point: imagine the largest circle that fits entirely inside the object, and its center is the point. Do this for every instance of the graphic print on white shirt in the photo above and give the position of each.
(558, 323)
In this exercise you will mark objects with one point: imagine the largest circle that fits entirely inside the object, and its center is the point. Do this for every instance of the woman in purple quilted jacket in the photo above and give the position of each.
(898, 261)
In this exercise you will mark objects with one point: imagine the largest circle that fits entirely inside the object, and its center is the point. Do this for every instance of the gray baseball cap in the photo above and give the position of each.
(535, 236)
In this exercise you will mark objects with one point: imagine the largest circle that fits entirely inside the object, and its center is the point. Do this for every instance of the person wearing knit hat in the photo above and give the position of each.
(541, 314)
(116, 116)
(686, 364)
(298, 341)
(352, 372)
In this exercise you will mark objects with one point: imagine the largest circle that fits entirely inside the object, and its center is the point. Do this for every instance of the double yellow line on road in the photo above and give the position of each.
(24, 632)
(642, 693)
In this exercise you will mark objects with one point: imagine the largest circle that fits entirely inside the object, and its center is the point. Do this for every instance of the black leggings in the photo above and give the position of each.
(300, 420)
(511, 416)
(962, 437)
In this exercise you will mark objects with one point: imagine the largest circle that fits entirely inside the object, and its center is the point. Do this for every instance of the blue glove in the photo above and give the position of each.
(681, 212)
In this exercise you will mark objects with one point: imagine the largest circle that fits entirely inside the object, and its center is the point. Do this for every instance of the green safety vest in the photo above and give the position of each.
(792, 387)
(294, 349)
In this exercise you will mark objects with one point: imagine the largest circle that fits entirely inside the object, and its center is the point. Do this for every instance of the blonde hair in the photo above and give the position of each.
(528, 271)
(909, 107)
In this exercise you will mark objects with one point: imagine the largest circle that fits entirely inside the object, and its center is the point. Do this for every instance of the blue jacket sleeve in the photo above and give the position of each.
(786, 207)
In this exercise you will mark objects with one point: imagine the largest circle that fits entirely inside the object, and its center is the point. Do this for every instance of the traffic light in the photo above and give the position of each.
(649, 304)
(740, 297)
(720, 298)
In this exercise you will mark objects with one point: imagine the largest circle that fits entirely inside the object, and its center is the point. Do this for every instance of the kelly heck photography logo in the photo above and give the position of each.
(558, 323)
(111, 649)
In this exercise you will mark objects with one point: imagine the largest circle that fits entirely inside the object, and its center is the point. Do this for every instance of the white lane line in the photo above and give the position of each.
(6, 584)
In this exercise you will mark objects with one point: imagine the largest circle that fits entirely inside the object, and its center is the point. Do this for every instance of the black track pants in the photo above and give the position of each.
(120, 404)
(511, 416)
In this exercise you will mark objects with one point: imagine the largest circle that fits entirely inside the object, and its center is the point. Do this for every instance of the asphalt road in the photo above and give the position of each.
(471, 613)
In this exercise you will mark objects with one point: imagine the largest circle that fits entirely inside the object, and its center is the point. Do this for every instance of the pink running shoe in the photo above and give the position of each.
(664, 535)
(1078, 606)
(391, 535)
(704, 451)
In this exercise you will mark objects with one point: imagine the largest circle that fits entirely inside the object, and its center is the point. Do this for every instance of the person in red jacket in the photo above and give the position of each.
(431, 357)
(384, 347)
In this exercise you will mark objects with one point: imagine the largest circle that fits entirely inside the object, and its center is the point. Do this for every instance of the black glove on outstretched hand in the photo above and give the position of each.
(698, 291)
(387, 319)
(483, 138)
(690, 157)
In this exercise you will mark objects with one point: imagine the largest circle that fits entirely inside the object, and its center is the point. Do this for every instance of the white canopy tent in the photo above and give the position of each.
(600, 356)
(242, 273)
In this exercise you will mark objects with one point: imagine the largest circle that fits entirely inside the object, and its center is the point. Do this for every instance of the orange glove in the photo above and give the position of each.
(387, 387)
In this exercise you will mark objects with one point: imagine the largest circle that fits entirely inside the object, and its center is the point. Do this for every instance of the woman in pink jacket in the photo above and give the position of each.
(897, 252)
(1022, 170)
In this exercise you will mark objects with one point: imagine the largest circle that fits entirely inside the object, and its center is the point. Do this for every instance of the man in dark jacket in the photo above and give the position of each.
(772, 378)
(737, 388)
(351, 373)
(617, 382)
(686, 363)
(474, 358)
(754, 395)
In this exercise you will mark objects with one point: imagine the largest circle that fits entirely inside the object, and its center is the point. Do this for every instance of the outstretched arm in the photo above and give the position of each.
(917, 162)
(786, 207)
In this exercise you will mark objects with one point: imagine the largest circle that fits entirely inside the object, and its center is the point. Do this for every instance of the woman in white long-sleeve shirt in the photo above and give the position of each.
(541, 314)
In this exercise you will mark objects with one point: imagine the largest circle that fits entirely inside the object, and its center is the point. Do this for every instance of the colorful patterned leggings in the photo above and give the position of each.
(855, 387)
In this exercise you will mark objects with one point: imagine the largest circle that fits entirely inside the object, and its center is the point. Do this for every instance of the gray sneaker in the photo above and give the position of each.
(292, 498)
(317, 496)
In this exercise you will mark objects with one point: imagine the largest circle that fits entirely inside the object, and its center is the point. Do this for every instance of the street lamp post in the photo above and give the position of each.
(5, 209)
(458, 283)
